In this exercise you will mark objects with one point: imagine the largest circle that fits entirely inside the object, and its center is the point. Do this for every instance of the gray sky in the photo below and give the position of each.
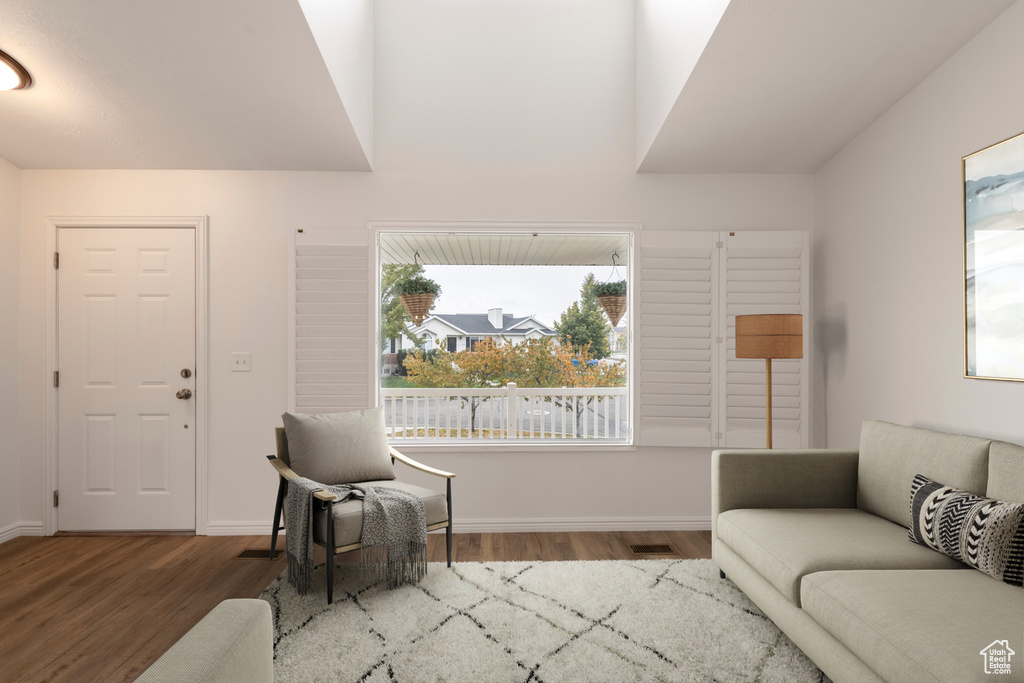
(542, 291)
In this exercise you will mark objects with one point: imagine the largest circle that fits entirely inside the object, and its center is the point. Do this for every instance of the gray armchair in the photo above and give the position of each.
(343, 532)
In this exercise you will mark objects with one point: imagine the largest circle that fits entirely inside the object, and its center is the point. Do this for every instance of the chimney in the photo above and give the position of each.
(495, 318)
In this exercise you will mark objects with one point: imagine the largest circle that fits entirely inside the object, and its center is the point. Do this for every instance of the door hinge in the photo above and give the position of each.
(56, 260)
(56, 498)
(56, 378)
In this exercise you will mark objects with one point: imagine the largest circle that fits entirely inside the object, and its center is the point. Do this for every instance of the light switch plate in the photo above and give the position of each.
(241, 361)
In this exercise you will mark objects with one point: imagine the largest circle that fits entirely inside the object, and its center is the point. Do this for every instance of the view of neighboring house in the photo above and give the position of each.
(462, 331)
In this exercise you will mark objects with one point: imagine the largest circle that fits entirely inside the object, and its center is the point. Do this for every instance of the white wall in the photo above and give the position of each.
(889, 251)
(250, 216)
(10, 239)
(503, 110)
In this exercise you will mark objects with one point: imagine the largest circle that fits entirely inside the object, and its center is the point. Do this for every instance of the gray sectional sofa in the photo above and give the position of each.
(818, 539)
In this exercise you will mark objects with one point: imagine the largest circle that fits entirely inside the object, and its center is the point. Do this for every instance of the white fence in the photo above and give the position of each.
(510, 412)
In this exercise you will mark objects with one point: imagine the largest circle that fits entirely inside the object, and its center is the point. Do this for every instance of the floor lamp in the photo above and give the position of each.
(769, 336)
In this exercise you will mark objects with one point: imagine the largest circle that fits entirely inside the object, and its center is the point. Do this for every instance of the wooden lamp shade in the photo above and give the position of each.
(771, 336)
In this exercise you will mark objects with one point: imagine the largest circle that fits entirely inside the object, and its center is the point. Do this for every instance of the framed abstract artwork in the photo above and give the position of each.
(994, 261)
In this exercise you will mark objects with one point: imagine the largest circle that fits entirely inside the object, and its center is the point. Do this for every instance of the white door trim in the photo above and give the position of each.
(202, 384)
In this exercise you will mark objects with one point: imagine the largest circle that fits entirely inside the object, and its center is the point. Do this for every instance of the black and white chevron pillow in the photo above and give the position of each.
(983, 533)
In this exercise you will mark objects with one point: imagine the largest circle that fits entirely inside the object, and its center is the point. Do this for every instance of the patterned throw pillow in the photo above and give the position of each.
(980, 532)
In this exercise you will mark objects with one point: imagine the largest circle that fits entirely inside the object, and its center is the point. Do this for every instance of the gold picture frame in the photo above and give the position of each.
(993, 212)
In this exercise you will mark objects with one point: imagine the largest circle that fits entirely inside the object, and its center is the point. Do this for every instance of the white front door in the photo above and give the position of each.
(126, 447)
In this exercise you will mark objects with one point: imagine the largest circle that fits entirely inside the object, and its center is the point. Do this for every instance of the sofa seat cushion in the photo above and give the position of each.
(918, 626)
(786, 545)
(348, 516)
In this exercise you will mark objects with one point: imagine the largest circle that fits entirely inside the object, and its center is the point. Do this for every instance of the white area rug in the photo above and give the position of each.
(543, 622)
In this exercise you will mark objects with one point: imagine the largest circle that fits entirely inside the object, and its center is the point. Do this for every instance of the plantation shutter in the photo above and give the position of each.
(763, 272)
(678, 356)
(330, 318)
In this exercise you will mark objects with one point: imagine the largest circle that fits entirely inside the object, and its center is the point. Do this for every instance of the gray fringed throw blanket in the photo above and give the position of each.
(394, 538)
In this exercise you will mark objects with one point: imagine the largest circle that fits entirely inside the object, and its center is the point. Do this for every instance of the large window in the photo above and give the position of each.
(517, 343)
(683, 384)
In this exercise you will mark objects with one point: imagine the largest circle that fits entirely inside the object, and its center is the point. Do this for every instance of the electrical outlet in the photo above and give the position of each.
(241, 361)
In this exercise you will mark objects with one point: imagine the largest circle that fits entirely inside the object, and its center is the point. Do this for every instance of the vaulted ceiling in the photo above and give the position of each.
(778, 86)
(782, 85)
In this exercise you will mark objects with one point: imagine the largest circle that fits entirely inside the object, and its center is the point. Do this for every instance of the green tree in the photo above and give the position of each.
(394, 321)
(587, 295)
(583, 324)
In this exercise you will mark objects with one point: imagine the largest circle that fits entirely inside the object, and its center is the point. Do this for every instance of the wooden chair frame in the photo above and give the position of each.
(279, 463)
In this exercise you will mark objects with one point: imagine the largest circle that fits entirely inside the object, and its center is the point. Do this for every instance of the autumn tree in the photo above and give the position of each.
(580, 369)
(490, 364)
(534, 363)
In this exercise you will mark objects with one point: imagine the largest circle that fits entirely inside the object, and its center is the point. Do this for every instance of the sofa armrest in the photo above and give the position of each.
(825, 478)
(234, 642)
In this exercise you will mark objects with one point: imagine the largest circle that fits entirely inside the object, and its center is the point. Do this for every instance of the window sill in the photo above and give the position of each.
(546, 446)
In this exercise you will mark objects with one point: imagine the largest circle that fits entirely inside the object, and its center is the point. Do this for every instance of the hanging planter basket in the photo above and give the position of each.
(614, 305)
(417, 305)
(612, 297)
(417, 295)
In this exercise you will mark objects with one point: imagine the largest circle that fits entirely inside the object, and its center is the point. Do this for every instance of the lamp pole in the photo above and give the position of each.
(768, 396)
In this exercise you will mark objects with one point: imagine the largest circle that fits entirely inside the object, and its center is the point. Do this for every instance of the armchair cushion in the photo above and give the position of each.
(348, 516)
(339, 448)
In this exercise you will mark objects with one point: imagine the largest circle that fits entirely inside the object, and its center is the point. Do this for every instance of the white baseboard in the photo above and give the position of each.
(513, 525)
(17, 529)
(238, 528)
(521, 524)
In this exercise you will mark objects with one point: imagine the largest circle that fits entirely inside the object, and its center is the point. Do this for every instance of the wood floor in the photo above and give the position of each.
(101, 608)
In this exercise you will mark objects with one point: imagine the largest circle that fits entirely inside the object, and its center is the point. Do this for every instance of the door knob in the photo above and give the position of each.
(184, 394)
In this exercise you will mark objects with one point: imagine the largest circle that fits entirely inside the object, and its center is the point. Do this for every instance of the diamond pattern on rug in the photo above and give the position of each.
(533, 622)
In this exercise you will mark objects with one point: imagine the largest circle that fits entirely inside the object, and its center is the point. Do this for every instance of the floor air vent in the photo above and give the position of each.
(652, 550)
(257, 554)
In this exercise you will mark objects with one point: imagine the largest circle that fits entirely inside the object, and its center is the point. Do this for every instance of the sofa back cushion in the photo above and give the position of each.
(890, 456)
(1006, 472)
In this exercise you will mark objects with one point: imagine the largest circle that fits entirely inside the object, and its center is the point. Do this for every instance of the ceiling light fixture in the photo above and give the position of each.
(13, 76)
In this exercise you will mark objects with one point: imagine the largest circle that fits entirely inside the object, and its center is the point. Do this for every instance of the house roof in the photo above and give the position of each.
(480, 324)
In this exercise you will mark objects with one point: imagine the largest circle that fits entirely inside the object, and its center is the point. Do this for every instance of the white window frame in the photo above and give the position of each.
(630, 229)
